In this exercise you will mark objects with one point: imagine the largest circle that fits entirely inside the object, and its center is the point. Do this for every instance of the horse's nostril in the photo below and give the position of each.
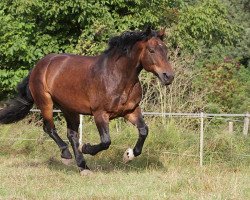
(168, 77)
(165, 75)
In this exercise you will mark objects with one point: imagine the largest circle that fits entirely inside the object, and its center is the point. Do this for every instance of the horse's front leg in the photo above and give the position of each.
(102, 123)
(136, 119)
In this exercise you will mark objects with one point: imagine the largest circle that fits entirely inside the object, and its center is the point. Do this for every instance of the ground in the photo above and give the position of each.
(33, 169)
(23, 177)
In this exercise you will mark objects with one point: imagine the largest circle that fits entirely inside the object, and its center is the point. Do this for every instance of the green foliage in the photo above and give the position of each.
(9, 81)
(226, 85)
(31, 29)
(203, 25)
(240, 14)
(115, 17)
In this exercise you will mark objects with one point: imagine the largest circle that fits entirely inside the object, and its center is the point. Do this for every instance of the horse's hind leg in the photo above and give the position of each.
(45, 104)
(73, 122)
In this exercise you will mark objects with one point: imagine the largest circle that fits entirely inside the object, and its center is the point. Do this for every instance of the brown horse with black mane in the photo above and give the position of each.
(105, 86)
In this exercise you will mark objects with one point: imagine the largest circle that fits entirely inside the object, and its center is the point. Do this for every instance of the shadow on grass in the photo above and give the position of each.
(111, 160)
(106, 161)
(55, 164)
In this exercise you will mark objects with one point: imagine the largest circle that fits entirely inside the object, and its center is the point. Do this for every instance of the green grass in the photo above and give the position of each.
(33, 170)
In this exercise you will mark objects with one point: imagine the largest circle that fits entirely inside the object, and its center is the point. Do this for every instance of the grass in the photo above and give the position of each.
(35, 178)
(33, 170)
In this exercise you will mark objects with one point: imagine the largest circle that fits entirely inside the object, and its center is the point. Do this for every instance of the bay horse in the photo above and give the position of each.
(104, 86)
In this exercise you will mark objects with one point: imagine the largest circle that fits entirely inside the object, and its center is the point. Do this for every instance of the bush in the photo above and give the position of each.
(204, 25)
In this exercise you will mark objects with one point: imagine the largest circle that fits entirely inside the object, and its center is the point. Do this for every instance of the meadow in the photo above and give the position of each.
(167, 169)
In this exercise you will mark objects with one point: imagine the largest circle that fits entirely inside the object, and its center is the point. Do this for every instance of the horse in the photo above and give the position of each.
(105, 86)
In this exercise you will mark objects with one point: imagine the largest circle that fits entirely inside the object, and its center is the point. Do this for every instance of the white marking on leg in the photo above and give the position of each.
(128, 155)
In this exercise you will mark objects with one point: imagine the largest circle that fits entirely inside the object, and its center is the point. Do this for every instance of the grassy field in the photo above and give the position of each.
(33, 170)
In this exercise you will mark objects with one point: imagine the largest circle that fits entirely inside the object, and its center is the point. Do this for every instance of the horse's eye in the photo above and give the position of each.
(151, 50)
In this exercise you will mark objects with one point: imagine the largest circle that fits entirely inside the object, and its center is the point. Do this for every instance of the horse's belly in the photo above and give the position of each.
(69, 96)
(77, 105)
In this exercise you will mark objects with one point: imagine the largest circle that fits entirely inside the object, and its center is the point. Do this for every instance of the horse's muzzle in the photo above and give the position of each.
(166, 78)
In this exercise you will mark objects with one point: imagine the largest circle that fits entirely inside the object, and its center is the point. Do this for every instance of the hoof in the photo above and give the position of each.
(128, 155)
(67, 161)
(86, 172)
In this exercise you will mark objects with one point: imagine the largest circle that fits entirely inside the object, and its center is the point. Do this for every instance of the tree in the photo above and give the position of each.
(204, 25)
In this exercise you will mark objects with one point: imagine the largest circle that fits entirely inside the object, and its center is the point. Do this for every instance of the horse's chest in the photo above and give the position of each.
(121, 105)
(125, 102)
(124, 98)
(128, 100)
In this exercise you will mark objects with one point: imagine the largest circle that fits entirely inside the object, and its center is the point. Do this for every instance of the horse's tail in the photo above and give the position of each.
(19, 107)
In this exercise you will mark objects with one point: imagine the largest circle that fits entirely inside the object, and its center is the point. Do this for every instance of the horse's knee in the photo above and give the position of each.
(45, 128)
(48, 126)
(72, 134)
(105, 145)
(69, 134)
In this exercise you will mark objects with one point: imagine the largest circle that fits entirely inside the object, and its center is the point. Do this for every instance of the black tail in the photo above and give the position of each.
(19, 107)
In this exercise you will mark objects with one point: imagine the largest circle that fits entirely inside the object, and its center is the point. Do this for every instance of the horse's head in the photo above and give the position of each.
(154, 56)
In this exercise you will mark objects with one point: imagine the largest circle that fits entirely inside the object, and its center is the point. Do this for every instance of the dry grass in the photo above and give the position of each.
(33, 170)
(35, 178)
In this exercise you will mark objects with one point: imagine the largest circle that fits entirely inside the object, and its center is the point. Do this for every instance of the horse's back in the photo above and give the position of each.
(65, 78)
(49, 69)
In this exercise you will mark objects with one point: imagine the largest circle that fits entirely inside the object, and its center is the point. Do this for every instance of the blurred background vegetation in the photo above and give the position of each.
(208, 44)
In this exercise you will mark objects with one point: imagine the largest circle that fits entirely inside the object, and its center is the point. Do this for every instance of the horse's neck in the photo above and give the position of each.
(127, 68)
(128, 64)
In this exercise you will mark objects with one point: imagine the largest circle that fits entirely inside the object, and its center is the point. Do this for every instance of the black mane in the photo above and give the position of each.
(126, 40)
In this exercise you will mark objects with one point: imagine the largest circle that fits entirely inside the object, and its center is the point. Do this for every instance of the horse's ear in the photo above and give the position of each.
(161, 34)
(148, 31)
